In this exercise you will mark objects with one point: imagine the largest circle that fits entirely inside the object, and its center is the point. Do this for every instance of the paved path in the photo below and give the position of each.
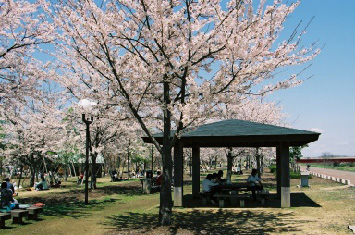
(334, 173)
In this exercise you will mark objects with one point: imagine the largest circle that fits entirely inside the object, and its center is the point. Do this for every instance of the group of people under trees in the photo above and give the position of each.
(8, 202)
(212, 181)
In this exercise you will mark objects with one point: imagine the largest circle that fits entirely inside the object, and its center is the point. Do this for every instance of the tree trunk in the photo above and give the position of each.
(257, 159)
(32, 181)
(128, 155)
(229, 164)
(45, 165)
(74, 169)
(190, 165)
(65, 173)
(35, 171)
(93, 170)
(166, 202)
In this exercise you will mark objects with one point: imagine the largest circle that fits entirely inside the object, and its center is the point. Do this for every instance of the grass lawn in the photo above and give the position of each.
(119, 208)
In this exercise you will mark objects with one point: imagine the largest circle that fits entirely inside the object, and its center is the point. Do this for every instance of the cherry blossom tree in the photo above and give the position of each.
(150, 57)
(23, 29)
(24, 32)
(256, 110)
(33, 129)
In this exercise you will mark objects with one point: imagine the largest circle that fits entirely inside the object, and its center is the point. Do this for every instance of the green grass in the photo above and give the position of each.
(328, 209)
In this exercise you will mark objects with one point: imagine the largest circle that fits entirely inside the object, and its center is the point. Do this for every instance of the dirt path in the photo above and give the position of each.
(334, 173)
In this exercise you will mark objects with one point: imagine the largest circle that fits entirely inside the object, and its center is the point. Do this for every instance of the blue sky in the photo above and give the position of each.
(325, 103)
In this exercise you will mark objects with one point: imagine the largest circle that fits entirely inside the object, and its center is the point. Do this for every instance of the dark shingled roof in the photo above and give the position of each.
(240, 133)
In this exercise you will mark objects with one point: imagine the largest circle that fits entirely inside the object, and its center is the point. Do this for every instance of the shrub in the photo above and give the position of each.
(272, 168)
(293, 175)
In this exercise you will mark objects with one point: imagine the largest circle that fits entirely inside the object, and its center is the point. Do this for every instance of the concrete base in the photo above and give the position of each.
(285, 197)
(177, 196)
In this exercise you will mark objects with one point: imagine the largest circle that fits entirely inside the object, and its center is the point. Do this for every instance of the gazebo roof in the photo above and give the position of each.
(240, 133)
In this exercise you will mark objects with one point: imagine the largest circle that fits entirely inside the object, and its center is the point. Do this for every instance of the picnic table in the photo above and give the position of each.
(232, 192)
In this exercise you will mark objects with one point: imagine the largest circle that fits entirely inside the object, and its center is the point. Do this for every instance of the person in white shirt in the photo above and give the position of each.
(238, 170)
(255, 182)
(207, 183)
(207, 186)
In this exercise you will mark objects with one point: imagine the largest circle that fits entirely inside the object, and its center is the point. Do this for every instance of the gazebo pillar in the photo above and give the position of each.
(195, 171)
(285, 175)
(278, 171)
(178, 173)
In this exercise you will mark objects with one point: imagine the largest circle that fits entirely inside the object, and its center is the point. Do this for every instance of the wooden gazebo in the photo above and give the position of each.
(237, 133)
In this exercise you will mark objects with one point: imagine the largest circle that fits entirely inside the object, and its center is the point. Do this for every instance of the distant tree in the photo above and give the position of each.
(295, 155)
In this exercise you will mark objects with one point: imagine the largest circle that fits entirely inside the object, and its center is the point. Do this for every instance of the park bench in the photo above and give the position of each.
(3, 218)
(34, 211)
(205, 196)
(17, 215)
(233, 198)
(263, 196)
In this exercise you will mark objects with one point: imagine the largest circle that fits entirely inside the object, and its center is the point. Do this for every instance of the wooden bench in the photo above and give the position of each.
(204, 196)
(262, 196)
(17, 215)
(3, 217)
(34, 211)
(233, 198)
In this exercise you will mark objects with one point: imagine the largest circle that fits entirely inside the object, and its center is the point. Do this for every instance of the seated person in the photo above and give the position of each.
(78, 180)
(240, 170)
(9, 185)
(7, 201)
(219, 177)
(42, 185)
(214, 177)
(57, 185)
(159, 178)
(207, 186)
(255, 182)
(113, 175)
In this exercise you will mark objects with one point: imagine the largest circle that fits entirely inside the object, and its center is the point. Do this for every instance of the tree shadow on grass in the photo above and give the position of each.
(68, 205)
(298, 199)
(129, 190)
(76, 209)
(70, 202)
(207, 222)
